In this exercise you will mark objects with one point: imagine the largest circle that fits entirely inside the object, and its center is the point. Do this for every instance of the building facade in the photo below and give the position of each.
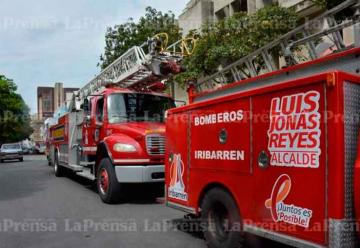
(196, 13)
(51, 98)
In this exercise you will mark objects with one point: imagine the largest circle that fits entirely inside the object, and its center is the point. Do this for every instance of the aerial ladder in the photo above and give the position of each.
(292, 49)
(141, 68)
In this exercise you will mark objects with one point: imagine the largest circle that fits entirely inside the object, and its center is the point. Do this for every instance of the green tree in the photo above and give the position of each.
(14, 113)
(122, 37)
(229, 40)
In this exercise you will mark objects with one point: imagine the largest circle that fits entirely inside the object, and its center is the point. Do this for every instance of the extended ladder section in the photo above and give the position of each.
(303, 44)
(141, 65)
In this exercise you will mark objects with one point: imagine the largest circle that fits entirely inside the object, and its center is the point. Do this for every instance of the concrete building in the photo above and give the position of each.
(304, 8)
(51, 98)
(36, 124)
(196, 13)
(226, 8)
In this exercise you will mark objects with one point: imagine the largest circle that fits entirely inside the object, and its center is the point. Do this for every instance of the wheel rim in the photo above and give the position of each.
(55, 166)
(104, 181)
(219, 222)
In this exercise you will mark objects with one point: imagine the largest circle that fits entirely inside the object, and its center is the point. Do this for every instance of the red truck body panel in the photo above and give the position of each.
(304, 128)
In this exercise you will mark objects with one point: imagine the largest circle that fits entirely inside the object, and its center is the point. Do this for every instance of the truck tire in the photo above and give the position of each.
(218, 208)
(58, 169)
(21, 159)
(49, 161)
(109, 189)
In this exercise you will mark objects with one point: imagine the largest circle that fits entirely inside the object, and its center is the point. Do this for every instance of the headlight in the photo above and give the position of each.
(118, 147)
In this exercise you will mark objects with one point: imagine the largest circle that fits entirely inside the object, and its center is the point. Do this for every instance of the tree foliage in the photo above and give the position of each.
(122, 37)
(229, 40)
(14, 113)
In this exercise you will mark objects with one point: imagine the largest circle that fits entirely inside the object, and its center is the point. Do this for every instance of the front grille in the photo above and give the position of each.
(155, 144)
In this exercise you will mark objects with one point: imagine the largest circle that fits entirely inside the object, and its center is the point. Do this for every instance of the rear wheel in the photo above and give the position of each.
(221, 220)
(109, 189)
(58, 169)
(1, 161)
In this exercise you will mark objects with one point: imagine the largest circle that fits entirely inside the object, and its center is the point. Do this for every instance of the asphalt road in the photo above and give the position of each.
(39, 210)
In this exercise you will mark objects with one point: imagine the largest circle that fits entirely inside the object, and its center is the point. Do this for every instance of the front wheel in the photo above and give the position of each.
(58, 169)
(221, 220)
(109, 189)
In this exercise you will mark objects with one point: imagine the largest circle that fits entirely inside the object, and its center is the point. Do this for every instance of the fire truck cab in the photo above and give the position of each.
(117, 138)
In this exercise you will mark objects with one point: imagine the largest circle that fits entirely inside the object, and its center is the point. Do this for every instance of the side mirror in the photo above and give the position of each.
(86, 105)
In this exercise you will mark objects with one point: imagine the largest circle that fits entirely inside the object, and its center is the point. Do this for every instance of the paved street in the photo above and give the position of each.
(32, 195)
(39, 210)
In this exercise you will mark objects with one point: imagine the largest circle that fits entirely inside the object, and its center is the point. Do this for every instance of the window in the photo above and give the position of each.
(222, 14)
(137, 107)
(239, 6)
(100, 110)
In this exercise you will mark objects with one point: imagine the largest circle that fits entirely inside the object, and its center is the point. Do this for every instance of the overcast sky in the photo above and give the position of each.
(47, 41)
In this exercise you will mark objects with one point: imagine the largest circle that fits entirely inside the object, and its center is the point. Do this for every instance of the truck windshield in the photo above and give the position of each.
(137, 107)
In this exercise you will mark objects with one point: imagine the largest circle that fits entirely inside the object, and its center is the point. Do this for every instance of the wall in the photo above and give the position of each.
(304, 8)
(45, 102)
(51, 98)
(196, 13)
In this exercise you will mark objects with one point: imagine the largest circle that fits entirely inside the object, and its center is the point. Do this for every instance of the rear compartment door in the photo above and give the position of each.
(289, 161)
(177, 156)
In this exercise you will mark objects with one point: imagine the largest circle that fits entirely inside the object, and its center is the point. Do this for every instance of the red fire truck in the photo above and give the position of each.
(114, 132)
(275, 154)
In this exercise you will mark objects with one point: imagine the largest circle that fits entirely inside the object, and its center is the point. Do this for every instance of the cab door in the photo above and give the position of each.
(289, 161)
(93, 129)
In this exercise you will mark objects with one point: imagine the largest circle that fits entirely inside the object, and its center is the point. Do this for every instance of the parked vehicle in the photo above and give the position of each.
(277, 152)
(11, 152)
(115, 132)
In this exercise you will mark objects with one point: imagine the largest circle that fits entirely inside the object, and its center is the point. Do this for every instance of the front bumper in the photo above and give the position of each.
(10, 156)
(140, 173)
